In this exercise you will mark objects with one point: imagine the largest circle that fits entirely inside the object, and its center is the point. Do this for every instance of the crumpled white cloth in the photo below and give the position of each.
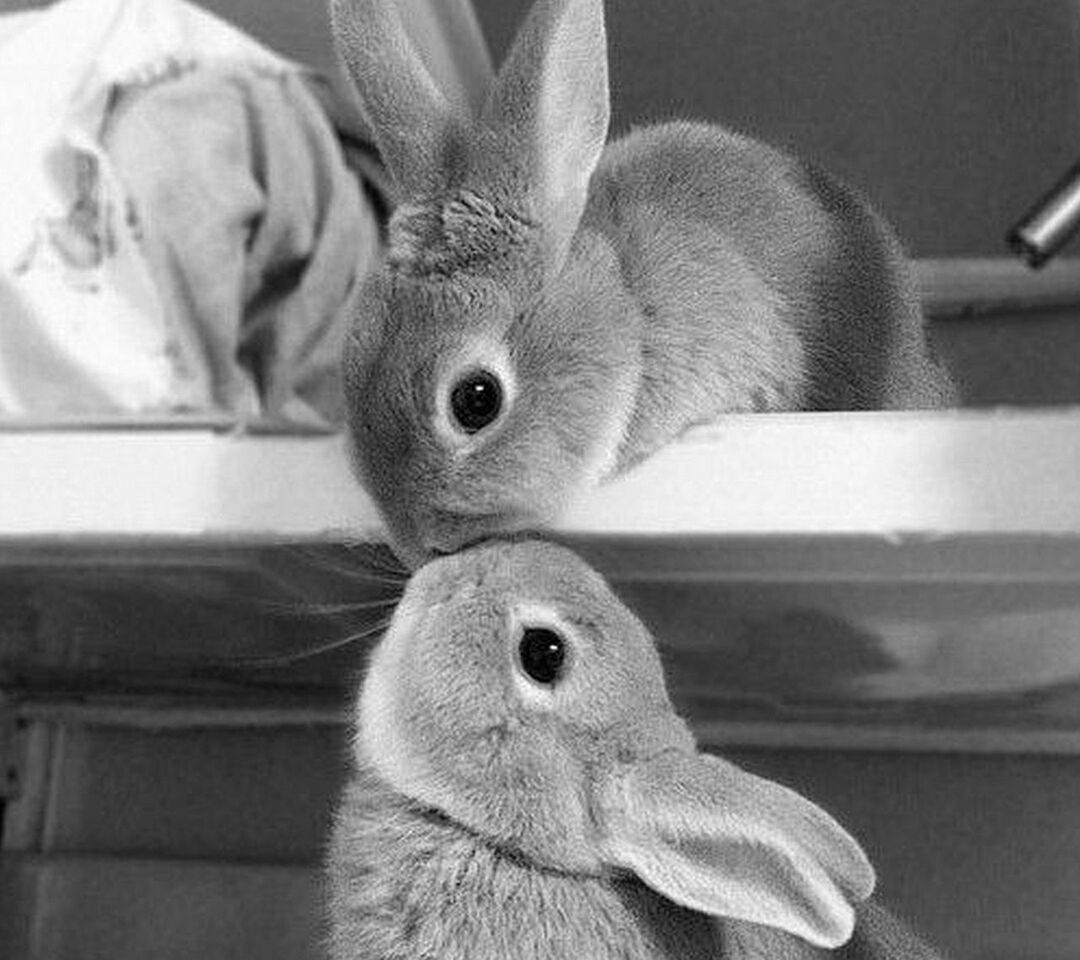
(179, 231)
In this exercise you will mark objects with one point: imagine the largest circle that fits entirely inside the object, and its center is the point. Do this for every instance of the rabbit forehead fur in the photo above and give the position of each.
(575, 359)
(446, 717)
(466, 230)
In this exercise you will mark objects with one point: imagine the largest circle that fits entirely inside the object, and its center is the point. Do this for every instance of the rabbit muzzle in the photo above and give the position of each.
(440, 533)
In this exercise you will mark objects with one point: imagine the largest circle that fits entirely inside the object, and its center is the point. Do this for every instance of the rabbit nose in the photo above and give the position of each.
(455, 535)
(443, 547)
(438, 534)
(466, 545)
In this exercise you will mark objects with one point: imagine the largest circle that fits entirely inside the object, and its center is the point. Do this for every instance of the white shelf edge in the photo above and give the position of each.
(178, 484)
(883, 475)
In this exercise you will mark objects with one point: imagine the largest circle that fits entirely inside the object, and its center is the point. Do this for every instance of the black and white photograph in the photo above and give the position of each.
(539, 479)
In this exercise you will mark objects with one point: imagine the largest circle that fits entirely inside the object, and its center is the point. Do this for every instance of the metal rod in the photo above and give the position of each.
(1051, 223)
(959, 288)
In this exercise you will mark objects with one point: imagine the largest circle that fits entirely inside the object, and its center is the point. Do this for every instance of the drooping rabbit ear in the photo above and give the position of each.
(716, 839)
(550, 108)
(418, 98)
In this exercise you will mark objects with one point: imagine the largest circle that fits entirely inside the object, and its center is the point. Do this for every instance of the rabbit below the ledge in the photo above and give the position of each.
(521, 787)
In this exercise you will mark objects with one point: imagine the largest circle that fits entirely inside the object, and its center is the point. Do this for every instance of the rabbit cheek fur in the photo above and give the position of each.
(490, 815)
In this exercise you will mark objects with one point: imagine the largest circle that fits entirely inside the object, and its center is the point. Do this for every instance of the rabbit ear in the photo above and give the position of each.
(550, 107)
(716, 839)
(420, 127)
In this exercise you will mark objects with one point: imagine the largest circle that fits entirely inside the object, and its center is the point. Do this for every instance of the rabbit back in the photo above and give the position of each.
(763, 283)
(405, 882)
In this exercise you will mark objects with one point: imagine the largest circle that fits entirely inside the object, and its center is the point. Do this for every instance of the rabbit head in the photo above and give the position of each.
(517, 696)
(492, 363)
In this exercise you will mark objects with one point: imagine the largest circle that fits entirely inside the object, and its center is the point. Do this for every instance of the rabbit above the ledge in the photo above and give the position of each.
(553, 308)
(522, 787)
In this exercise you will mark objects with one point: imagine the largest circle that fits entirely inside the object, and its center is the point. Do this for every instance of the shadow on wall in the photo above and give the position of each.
(931, 652)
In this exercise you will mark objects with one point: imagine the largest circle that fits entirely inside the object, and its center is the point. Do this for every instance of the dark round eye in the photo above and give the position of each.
(542, 653)
(476, 399)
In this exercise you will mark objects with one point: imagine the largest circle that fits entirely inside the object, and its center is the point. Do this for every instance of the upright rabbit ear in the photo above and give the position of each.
(716, 839)
(550, 108)
(417, 96)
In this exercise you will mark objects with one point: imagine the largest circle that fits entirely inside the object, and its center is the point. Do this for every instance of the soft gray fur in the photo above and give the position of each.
(489, 817)
(631, 290)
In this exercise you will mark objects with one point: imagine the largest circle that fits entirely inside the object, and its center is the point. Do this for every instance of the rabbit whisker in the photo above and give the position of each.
(284, 659)
(367, 569)
(300, 607)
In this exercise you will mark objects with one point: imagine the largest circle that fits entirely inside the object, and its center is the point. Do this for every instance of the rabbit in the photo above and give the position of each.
(522, 787)
(551, 310)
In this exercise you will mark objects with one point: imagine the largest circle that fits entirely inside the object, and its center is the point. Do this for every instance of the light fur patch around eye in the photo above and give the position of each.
(533, 695)
(490, 355)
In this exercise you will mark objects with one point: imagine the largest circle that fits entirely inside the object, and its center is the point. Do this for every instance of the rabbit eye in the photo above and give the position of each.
(476, 400)
(543, 653)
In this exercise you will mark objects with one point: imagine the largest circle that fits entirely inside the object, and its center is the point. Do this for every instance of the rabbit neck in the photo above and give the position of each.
(408, 882)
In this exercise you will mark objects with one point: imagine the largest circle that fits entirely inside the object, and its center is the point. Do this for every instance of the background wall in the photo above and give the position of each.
(955, 115)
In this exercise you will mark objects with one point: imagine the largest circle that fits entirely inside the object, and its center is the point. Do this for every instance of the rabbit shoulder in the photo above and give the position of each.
(762, 283)
(407, 882)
